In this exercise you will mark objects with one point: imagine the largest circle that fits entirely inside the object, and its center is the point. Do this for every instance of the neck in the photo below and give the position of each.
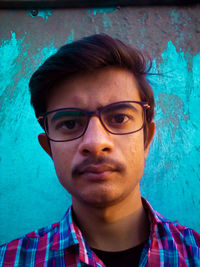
(113, 228)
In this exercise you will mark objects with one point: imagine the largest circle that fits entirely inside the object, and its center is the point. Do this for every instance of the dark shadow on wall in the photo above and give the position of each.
(91, 3)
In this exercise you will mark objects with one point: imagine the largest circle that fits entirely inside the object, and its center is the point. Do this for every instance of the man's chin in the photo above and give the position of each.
(98, 199)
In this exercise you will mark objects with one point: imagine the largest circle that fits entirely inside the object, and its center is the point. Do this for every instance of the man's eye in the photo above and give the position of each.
(118, 118)
(67, 125)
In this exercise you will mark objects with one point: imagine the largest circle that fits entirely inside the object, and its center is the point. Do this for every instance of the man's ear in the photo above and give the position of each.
(151, 127)
(45, 144)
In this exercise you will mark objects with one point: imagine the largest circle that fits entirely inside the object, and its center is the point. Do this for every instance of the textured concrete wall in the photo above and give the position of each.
(30, 194)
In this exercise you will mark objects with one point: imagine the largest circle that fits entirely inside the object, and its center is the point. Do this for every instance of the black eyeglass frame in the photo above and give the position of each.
(89, 114)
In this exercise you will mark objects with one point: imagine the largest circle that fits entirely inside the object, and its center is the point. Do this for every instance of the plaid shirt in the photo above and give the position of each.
(62, 244)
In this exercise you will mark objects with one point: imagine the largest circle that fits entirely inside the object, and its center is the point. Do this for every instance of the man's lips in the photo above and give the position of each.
(97, 166)
(97, 169)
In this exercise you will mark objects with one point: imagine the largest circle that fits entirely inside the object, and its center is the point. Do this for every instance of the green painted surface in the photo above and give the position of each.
(30, 194)
(42, 13)
(95, 11)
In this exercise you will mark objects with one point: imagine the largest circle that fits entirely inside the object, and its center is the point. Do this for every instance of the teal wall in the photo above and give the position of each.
(30, 194)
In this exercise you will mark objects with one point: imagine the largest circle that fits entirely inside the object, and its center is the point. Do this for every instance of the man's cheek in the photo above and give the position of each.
(136, 156)
(136, 145)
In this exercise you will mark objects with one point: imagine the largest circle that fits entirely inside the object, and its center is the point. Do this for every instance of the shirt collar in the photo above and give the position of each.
(156, 220)
(68, 234)
(154, 216)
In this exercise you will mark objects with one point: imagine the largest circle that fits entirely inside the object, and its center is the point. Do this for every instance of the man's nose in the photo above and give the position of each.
(97, 140)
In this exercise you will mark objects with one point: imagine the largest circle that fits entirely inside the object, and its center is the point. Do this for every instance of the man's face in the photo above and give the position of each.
(113, 164)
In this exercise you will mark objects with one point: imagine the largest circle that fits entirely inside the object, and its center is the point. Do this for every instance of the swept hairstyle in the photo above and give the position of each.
(87, 55)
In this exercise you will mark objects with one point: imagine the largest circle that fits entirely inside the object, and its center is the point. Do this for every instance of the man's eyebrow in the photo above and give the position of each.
(121, 106)
(64, 113)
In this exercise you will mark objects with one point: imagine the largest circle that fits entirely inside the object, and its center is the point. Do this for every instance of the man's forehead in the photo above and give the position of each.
(94, 90)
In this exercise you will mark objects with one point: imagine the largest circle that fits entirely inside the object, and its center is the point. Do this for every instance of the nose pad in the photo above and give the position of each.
(96, 140)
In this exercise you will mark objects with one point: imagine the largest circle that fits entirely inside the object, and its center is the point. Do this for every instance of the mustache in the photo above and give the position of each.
(117, 166)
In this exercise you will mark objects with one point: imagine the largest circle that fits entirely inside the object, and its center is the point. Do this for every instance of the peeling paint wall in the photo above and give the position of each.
(30, 194)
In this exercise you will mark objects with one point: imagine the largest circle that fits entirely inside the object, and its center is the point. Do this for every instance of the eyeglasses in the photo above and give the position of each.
(120, 118)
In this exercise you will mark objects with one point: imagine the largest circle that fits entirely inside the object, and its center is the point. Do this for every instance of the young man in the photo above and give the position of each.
(96, 107)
